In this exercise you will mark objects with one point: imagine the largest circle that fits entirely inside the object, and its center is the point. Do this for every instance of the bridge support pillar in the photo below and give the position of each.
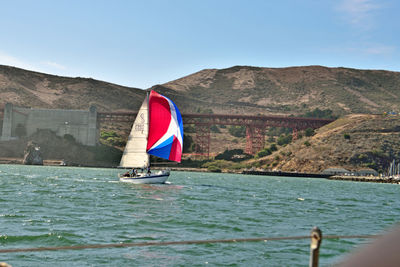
(202, 140)
(255, 139)
(92, 136)
(295, 133)
(7, 122)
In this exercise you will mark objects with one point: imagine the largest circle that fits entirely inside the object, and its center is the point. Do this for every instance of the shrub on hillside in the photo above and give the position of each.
(273, 147)
(215, 129)
(107, 134)
(267, 151)
(217, 164)
(318, 113)
(263, 153)
(309, 132)
(284, 139)
(375, 159)
(187, 143)
(237, 131)
(111, 138)
(189, 129)
(235, 155)
(213, 168)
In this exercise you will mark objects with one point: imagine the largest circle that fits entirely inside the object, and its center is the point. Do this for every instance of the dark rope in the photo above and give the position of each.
(190, 242)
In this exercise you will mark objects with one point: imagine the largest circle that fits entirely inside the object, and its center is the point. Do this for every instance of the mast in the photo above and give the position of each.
(148, 126)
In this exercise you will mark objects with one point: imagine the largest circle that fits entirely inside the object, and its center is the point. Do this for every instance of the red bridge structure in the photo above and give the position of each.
(255, 126)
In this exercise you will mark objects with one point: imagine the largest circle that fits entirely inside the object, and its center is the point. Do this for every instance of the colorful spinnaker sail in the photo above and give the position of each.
(165, 138)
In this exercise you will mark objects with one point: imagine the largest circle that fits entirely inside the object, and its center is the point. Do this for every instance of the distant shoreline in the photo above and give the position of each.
(370, 179)
(288, 174)
(46, 162)
(11, 161)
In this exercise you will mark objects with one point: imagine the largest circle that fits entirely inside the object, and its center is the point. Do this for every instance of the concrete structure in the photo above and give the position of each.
(7, 123)
(81, 124)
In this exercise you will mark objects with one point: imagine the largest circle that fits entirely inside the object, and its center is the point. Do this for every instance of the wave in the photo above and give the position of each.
(49, 239)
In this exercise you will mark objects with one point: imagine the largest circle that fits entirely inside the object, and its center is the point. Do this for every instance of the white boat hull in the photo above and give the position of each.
(153, 178)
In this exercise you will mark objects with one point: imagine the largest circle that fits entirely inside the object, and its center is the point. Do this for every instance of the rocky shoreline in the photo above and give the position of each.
(370, 179)
(20, 161)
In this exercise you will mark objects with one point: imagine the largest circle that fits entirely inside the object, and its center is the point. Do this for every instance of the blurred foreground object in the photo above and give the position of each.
(316, 239)
(383, 252)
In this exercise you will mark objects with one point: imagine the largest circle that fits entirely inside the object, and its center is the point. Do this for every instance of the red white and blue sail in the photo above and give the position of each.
(165, 138)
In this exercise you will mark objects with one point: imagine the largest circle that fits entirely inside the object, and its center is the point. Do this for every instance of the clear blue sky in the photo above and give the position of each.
(148, 42)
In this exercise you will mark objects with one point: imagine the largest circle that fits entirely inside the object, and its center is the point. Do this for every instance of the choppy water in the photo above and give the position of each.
(62, 206)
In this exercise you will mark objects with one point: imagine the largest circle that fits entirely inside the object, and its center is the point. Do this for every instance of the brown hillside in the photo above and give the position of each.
(353, 142)
(240, 90)
(39, 90)
(293, 90)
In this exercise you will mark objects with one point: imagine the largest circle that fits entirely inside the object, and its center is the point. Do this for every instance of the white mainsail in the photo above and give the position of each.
(135, 155)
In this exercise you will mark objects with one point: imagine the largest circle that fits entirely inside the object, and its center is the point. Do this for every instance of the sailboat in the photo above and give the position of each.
(157, 131)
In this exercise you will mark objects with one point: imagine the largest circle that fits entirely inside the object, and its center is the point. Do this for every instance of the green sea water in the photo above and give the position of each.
(65, 206)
